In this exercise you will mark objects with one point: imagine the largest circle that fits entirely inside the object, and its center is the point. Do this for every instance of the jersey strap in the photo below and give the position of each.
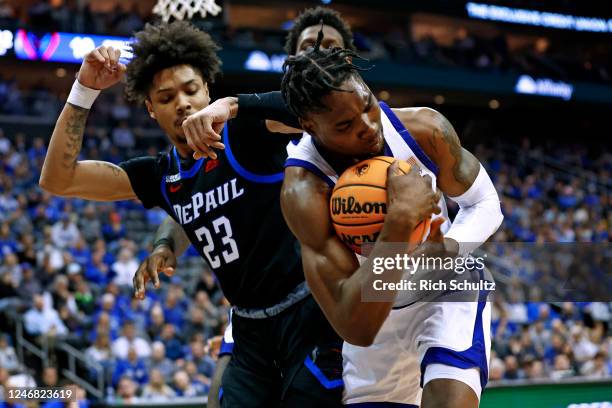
(244, 173)
(403, 132)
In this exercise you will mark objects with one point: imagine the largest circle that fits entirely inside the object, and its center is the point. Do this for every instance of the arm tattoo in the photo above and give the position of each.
(116, 171)
(75, 127)
(463, 172)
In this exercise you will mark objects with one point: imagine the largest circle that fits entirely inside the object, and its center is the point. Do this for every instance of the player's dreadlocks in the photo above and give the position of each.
(312, 75)
(161, 46)
(314, 16)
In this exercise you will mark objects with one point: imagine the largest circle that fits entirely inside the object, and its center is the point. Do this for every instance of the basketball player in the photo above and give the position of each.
(171, 241)
(345, 124)
(228, 207)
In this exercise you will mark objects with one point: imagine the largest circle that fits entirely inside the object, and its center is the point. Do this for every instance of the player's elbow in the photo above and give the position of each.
(52, 187)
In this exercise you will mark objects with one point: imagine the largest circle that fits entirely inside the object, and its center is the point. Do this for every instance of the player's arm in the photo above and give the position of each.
(62, 173)
(461, 177)
(203, 129)
(331, 269)
(169, 243)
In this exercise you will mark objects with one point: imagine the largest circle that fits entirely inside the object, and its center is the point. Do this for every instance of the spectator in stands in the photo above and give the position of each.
(8, 357)
(128, 341)
(174, 347)
(126, 392)
(156, 321)
(512, 371)
(123, 136)
(132, 367)
(182, 384)
(204, 364)
(49, 377)
(30, 284)
(496, 369)
(125, 268)
(89, 224)
(114, 230)
(65, 233)
(43, 321)
(158, 360)
(562, 367)
(157, 390)
(100, 351)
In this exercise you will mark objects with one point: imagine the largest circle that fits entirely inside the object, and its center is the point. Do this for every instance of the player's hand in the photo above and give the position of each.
(203, 128)
(101, 68)
(162, 259)
(410, 197)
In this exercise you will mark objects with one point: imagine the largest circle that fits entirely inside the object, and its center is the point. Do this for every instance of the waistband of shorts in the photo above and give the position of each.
(300, 292)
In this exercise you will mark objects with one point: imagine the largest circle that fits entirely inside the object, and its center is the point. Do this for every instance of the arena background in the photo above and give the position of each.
(526, 83)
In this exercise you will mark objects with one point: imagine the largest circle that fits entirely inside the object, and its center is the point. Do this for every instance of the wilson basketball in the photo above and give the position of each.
(358, 203)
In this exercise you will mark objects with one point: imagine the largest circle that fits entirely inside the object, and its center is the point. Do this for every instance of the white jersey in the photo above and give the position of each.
(415, 335)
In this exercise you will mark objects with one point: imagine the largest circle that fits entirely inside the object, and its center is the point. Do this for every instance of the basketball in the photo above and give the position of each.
(358, 203)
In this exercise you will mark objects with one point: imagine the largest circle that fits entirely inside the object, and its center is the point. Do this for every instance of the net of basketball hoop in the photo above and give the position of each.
(185, 9)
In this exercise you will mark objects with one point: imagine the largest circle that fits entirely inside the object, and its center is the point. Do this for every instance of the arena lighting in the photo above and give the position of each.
(260, 61)
(6, 41)
(543, 87)
(65, 47)
(538, 18)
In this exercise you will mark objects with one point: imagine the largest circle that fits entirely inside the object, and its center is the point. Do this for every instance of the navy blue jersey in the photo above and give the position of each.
(230, 210)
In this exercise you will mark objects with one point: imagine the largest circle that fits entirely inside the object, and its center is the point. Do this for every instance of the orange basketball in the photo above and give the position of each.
(358, 203)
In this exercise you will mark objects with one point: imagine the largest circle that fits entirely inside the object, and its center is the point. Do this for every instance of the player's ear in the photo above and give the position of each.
(149, 106)
(307, 125)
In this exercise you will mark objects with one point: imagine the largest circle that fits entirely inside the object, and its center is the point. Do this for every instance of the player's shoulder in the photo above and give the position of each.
(300, 184)
(305, 205)
(419, 119)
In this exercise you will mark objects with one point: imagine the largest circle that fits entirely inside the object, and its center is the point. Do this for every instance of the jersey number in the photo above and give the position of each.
(223, 228)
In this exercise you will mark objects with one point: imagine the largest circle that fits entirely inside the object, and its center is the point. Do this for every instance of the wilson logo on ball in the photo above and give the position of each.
(349, 205)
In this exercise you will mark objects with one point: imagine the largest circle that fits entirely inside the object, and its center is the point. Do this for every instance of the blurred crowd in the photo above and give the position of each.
(550, 57)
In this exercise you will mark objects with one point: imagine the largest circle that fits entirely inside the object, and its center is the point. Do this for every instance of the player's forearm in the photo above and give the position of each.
(215, 386)
(64, 149)
(366, 318)
(269, 105)
(479, 214)
(172, 234)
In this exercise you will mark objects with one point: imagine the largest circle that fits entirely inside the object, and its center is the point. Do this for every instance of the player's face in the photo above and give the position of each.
(308, 38)
(352, 125)
(176, 93)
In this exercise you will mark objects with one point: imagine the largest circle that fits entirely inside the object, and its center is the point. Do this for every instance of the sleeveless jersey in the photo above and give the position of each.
(231, 214)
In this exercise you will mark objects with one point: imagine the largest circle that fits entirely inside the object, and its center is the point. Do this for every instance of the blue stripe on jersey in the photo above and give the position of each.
(309, 166)
(163, 183)
(403, 132)
(244, 173)
(192, 171)
(316, 371)
(473, 357)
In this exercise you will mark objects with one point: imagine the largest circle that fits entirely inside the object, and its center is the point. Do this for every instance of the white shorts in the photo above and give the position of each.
(436, 334)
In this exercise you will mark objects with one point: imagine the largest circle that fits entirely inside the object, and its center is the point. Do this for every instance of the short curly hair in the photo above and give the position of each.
(314, 16)
(164, 45)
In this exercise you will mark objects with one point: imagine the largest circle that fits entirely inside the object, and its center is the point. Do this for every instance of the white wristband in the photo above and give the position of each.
(82, 96)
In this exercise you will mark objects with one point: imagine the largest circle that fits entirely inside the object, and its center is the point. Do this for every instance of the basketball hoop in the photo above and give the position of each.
(185, 9)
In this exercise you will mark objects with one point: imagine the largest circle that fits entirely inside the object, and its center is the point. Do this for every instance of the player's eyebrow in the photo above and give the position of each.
(160, 90)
